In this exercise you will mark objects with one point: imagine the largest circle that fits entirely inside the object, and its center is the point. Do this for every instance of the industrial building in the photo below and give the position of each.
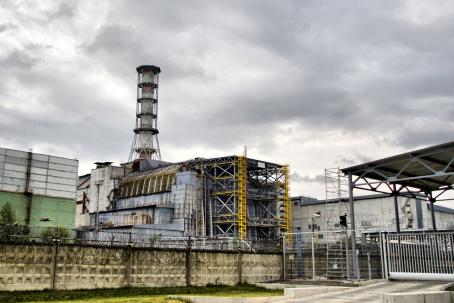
(227, 197)
(38, 187)
(373, 213)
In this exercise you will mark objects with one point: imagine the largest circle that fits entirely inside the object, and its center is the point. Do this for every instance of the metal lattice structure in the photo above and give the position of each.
(145, 144)
(241, 163)
(336, 193)
(246, 198)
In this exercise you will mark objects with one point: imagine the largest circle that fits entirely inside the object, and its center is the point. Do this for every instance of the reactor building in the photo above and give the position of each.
(227, 197)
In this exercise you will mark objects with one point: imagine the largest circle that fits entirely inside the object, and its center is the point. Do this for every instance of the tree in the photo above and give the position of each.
(10, 230)
(7, 214)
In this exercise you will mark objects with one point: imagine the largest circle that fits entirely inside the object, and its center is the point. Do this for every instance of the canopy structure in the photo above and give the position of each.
(427, 172)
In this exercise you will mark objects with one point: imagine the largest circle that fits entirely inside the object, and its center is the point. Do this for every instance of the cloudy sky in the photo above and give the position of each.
(315, 84)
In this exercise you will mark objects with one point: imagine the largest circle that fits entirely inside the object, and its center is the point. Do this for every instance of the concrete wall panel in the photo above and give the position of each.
(29, 266)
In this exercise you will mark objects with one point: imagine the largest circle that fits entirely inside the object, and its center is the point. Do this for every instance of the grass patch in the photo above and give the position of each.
(134, 295)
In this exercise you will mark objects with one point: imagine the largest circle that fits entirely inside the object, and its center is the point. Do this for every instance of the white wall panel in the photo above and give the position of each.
(38, 171)
(58, 160)
(64, 181)
(14, 174)
(17, 153)
(40, 157)
(62, 167)
(15, 167)
(61, 187)
(53, 176)
(40, 178)
(59, 173)
(35, 184)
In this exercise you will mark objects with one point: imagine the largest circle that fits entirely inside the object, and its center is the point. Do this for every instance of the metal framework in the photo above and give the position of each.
(241, 163)
(145, 144)
(427, 172)
(246, 198)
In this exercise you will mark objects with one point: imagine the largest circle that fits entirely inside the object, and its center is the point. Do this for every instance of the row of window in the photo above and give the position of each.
(149, 185)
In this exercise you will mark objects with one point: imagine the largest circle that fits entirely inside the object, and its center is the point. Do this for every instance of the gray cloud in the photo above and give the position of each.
(233, 73)
(19, 59)
(296, 177)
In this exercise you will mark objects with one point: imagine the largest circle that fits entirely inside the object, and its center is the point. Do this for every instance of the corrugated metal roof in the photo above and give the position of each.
(427, 169)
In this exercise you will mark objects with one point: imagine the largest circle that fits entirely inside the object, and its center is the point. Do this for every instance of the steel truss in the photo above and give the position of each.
(404, 182)
(427, 172)
(249, 199)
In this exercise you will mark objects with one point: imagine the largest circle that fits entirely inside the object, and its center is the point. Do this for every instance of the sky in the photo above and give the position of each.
(313, 84)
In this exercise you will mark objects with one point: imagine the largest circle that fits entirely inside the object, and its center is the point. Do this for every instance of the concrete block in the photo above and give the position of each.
(421, 297)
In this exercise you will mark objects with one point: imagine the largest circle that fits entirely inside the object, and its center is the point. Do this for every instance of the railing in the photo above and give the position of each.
(418, 256)
(135, 238)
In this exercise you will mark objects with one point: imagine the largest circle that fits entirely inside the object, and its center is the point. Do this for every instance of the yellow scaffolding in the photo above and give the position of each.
(287, 202)
(241, 164)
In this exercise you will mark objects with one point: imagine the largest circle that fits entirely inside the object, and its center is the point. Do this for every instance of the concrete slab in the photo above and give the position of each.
(421, 297)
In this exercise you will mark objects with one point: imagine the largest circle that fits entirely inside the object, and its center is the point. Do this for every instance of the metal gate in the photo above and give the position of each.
(418, 256)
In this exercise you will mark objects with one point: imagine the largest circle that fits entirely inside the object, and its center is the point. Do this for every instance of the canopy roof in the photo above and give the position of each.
(428, 169)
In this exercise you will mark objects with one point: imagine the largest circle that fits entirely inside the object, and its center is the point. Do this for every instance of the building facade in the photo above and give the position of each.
(40, 188)
(373, 213)
(229, 197)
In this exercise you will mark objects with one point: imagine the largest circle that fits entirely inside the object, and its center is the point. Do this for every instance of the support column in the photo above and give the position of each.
(188, 263)
(432, 212)
(53, 266)
(240, 266)
(353, 228)
(396, 209)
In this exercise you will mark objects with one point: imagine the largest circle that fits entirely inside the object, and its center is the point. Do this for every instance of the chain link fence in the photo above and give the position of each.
(328, 255)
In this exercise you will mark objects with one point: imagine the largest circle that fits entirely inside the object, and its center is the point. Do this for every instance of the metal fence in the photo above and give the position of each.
(134, 238)
(418, 255)
(323, 255)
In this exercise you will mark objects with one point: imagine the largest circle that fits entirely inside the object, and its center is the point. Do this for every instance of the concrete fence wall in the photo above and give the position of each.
(40, 266)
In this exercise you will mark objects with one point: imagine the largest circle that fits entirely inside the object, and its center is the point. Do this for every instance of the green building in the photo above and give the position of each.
(40, 188)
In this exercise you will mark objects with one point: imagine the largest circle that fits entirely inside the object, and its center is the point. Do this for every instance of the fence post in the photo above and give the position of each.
(53, 269)
(128, 264)
(283, 257)
(313, 257)
(369, 266)
(188, 262)
(240, 264)
(347, 263)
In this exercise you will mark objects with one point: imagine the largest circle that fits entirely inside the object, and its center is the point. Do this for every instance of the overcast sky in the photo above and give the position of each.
(315, 84)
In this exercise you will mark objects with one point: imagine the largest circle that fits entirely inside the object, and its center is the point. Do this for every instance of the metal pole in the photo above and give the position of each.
(432, 212)
(313, 257)
(352, 222)
(396, 209)
(97, 207)
(283, 256)
(347, 264)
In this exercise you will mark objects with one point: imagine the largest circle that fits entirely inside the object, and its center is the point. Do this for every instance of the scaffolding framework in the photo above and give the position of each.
(247, 198)
(241, 163)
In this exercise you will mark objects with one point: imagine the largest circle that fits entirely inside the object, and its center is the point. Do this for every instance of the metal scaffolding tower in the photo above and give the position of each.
(241, 163)
(336, 189)
(246, 198)
(145, 144)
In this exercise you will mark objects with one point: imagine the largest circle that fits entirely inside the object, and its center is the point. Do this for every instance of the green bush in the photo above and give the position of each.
(55, 232)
